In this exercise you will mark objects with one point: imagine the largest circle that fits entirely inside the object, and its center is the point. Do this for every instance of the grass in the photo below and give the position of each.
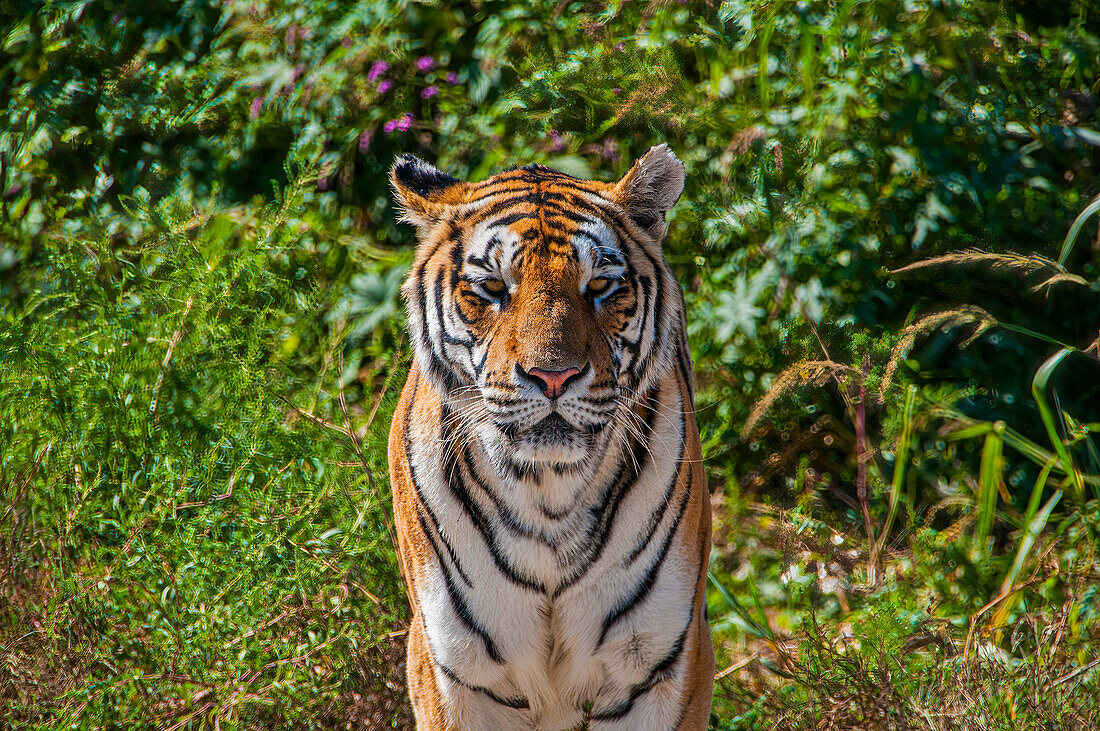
(888, 249)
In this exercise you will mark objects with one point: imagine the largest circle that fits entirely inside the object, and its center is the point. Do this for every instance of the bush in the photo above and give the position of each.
(887, 248)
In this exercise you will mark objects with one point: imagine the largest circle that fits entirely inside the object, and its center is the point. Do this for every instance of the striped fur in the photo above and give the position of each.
(554, 543)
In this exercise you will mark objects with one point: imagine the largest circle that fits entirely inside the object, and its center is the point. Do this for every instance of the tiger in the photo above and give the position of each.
(550, 503)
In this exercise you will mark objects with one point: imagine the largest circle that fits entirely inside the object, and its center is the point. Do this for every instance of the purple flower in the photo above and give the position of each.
(616, 91)
(377, 69)
(256, 108)
(345, 42)
(557, 144)
(384, 86)
(610, 150)
(424, 64)
(452, 78)
(322, 183)
(620, 46)
(365, 138)
(428, 92)
(399, 125)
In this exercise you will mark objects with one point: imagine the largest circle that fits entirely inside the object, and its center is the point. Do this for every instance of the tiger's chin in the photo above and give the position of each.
(552, 442)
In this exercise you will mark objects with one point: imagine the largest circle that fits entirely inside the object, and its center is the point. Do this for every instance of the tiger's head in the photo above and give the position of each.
(540, 306)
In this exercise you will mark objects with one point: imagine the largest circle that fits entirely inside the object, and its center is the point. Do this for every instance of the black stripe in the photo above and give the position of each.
(421, 501)
(430, 534)
(507, 518)
(457, 598)
(436, 365)
(656, 674)
(658, 514)
(659, 268)
(513, 217)
(655, 518)
(610, 500)
(479, 367)
(495, 191)
(544, 202)
(517, 471)
(518, 703)
(642, 589)
(461, 492)
(447, 337)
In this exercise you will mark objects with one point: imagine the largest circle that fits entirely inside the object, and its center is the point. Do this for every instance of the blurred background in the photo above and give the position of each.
(890, 253)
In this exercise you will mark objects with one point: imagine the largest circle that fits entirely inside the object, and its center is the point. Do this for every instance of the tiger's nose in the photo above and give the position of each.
(552, 383)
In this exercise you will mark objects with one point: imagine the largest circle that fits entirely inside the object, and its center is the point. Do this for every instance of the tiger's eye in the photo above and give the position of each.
(598, 285)
(493, 286)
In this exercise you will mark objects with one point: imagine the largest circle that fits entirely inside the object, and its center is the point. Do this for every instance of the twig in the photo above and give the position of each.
(262, 626)
(737, 666)
(313, 419)
(1033, 579)
(172, 343)
(862, 456)
(1075, 673)
(386, 383)
(357, 444)
(336, 570)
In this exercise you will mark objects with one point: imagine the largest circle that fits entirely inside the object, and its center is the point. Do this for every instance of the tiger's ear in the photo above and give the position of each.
(424, 193)
(650, 188)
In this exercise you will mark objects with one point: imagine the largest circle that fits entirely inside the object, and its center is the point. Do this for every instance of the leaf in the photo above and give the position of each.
(990, 474)
(1039, 390)
(1075, 228)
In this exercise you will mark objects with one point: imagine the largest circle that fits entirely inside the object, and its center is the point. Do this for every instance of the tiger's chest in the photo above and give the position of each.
(544, 613)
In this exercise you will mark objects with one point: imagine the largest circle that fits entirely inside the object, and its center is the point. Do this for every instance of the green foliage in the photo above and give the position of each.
(207, 551)
(887, 246)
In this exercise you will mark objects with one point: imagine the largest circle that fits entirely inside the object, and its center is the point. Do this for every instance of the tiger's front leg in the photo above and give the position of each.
(441, 704)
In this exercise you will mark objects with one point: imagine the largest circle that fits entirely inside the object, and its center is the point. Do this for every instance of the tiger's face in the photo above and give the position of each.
(537, 303)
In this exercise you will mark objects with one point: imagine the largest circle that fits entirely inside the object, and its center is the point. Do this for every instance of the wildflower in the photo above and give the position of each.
(384, 86)
(428, 92)
(377, 69)
(365, 138)
(452, 78)
(424, 64)
(557, 144)
(400, 125)
(256, 108)
(617, 90)
(610, 150)
(620, 46)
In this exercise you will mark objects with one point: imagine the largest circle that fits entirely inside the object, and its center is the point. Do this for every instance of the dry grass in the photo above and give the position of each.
(833, 684)
(806, 373)
(957, 317)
